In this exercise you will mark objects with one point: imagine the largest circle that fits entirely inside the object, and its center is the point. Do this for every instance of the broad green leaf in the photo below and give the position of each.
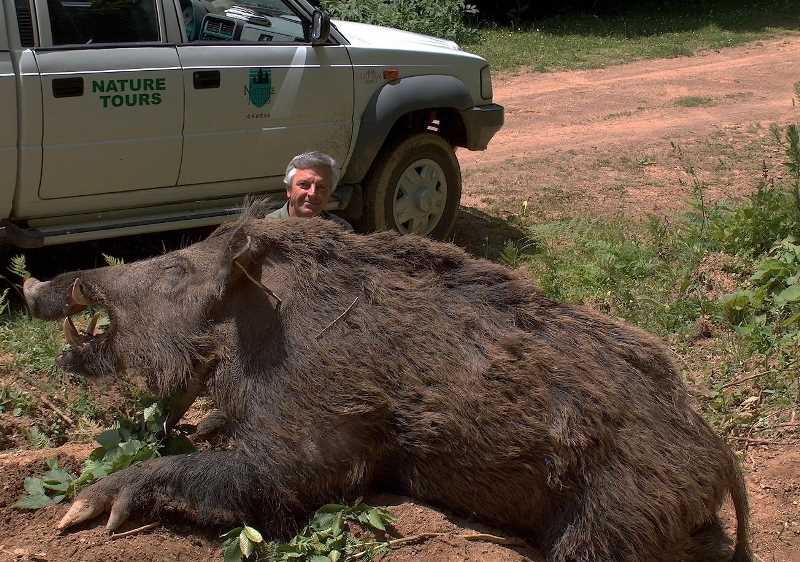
(318, 558)
(108, 439)
(335, 555)
(375, 519)
(34, 486)
(788, 295)
(252, 534)
(97, 454)
(331, 508)
(60, 487)
(97, 469)
(232, 533)
(245, 545)
(57, 475)
(323, 520)
(33, 502)
(231, 552)
(337, 526)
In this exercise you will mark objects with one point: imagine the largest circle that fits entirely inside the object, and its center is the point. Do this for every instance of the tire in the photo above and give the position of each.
(414, 186)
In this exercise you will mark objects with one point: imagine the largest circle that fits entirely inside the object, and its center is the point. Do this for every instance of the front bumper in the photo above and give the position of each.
(481, 123)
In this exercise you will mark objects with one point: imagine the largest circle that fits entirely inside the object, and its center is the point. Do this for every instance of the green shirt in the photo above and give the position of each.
(283, 213)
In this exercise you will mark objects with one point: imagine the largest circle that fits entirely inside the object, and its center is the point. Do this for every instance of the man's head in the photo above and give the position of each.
(310, 179)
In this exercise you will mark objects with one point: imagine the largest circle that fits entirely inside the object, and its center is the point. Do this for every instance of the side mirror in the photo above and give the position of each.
(320, 27)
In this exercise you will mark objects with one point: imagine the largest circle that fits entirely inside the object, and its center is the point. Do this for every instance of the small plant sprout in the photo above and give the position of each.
(18, 267)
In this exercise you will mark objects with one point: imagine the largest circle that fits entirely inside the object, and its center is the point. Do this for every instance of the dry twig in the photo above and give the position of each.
(258, 283)
(757, 375)
(342, 315)
(760, 441)
(141, 529)
(52, 406)
(778, 426)
(483, 537)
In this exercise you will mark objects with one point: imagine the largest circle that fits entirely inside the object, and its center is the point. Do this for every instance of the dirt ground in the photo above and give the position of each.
(599, 143)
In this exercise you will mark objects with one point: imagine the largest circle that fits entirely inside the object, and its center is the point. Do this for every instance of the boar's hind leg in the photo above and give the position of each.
(209, 488)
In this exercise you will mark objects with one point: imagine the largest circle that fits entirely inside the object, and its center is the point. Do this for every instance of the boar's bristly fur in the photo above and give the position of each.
(391, 361)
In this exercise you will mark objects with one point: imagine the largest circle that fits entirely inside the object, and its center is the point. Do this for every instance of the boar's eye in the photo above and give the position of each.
(177, 267)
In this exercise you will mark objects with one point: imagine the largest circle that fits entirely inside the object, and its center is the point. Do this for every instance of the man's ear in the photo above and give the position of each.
(241, 265)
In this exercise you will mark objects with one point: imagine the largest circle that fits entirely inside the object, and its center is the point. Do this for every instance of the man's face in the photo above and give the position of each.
(309, 192)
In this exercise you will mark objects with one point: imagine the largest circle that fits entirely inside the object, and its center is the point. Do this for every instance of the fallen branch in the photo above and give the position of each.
(760, 441)
(141, 529)
(757, 375)
(342, 315)
(52, 406)
(483, 537)
(778, 426)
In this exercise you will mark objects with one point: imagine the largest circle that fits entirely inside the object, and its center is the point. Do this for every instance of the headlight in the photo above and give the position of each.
(486, 83)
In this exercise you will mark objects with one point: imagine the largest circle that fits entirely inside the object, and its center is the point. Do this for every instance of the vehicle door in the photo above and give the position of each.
(257, 92)
(112, 97)
(8, 117)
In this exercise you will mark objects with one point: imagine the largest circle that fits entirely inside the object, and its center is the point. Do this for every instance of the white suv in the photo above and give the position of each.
(129, 116)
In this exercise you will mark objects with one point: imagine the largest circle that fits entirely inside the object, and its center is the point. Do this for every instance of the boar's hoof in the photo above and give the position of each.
(114, 493)
(84, 509)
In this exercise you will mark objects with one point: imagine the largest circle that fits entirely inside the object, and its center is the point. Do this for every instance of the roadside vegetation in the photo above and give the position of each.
(721, 284)
(547, 36)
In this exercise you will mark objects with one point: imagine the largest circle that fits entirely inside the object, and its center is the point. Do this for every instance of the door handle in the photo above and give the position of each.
(206, 79)
(68, 87)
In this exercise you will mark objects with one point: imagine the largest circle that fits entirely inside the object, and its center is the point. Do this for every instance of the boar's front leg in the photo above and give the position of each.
(209, 488)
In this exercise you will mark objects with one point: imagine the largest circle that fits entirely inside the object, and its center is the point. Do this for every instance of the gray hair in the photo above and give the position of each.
(314, 159)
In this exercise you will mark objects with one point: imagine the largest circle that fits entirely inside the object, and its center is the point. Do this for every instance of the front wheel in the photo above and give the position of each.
(414, 187)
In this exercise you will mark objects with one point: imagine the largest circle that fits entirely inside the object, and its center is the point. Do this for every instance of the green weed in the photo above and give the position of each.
(128, 442)
(327, 537)
(15, 401)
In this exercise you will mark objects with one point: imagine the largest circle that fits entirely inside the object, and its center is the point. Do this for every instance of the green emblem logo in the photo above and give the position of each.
(259, 88)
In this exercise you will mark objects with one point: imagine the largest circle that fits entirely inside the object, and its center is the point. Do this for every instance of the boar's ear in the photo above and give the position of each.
(240, 265)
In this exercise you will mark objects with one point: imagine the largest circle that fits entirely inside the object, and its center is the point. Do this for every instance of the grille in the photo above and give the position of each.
(220, 27)
(25, 23)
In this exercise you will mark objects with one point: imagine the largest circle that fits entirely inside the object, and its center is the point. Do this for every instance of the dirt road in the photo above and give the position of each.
(600, 141)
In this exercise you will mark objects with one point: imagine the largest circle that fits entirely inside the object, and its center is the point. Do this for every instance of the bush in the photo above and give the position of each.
(440, 18)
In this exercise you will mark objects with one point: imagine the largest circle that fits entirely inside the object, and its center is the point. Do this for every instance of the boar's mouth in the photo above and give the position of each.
(86, 343)
(77, 304)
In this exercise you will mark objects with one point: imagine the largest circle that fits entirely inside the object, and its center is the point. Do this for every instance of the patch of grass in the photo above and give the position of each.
(32, 344)
(626, 269)
(651, 31)
(694, 101)
(15, 401)
(729, 270)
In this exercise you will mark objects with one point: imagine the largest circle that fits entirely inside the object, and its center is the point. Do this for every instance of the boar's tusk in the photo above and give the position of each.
(71, 332)
(77, 296)
(92, 324)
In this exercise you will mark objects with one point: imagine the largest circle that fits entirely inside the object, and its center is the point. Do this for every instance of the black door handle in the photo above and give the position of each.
(68, 87)
(205, 79)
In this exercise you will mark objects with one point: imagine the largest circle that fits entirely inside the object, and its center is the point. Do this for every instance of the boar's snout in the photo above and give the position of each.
(53, 301)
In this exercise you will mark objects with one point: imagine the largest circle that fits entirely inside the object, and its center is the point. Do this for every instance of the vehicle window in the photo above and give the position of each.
(84, 22)
(243, 20)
